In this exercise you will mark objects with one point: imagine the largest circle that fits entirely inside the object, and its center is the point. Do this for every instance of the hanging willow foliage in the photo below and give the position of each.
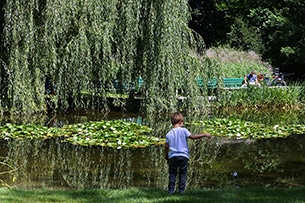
(85, 45)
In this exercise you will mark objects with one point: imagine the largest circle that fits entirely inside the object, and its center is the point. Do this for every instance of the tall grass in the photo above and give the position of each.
(263, 97)
(235, 64)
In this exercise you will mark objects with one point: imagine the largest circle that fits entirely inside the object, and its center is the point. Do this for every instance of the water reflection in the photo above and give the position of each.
(51, 163)
(65, 118)
(264, 162)
(215, 162)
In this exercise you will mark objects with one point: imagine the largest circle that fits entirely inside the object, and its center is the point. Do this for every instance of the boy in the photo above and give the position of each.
(177, 151)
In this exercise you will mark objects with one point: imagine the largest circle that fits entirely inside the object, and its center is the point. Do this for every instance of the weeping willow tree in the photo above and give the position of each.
(87, 44)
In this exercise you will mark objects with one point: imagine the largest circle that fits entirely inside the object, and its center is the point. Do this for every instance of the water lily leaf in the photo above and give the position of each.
(243, 129)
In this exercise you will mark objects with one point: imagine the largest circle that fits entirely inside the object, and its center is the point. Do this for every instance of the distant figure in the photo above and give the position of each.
(177, 151)
(251, 79)
(260, 77)
(278, 79)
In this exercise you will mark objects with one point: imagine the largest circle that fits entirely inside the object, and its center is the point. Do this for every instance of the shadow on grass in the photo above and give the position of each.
(142, 195)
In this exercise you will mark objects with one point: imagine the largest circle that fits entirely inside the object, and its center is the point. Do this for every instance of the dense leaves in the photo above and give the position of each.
(235, 128)
(64, 47)
(115, 133)
(273, 28)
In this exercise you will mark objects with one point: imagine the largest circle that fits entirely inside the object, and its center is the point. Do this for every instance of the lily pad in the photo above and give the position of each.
(115, 133)
(235, 128)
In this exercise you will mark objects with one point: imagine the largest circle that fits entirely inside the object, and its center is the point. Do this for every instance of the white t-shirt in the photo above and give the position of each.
(177, 141)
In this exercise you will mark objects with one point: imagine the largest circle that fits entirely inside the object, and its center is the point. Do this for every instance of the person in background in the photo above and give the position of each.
(177, 151)
(260, 77)
(251, 79)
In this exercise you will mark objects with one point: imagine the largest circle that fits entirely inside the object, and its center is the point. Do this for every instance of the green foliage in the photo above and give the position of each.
(279, 30)
(230, 63)
(270, 116)
(86, 45)
(268, 27)
(245, 37)
(27, 131)
(115, 134)
(235, 128)
(263, 97)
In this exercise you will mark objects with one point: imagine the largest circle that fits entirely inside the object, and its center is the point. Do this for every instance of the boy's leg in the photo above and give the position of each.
(172, 169)
(183, 164)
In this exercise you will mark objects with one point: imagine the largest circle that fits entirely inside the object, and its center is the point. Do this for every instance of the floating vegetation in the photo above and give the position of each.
(235, 128)
(115, 133)
(29, 131)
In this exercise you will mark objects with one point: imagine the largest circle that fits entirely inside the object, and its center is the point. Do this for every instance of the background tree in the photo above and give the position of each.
(274, 29)
(209, 21)
(80, 47)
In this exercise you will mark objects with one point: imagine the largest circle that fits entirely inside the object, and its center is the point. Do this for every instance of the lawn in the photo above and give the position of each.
(257, 194)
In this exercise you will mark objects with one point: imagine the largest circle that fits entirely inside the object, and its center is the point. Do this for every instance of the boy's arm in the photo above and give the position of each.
(198, 136)
(166, 147)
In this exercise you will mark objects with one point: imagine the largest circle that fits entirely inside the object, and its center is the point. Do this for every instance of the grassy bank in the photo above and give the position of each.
(258, 194)
(264, 97)
(231, 63)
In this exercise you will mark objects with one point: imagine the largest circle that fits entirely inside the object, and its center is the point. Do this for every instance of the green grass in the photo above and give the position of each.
(264, 97)
(233, 63)
(257, 194)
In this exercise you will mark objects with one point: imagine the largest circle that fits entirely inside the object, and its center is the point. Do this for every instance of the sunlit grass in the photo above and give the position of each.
(235, 64)
(265, 116)
(257, 194)
(263, 97)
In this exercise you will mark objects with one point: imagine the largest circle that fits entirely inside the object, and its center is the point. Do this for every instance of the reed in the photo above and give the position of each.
(264, 97)
(232, 63)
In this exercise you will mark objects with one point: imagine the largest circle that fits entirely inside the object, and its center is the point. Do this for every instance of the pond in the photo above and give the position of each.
(215, 162)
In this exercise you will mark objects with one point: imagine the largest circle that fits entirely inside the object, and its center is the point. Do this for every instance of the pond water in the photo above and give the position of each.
(215, 162)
